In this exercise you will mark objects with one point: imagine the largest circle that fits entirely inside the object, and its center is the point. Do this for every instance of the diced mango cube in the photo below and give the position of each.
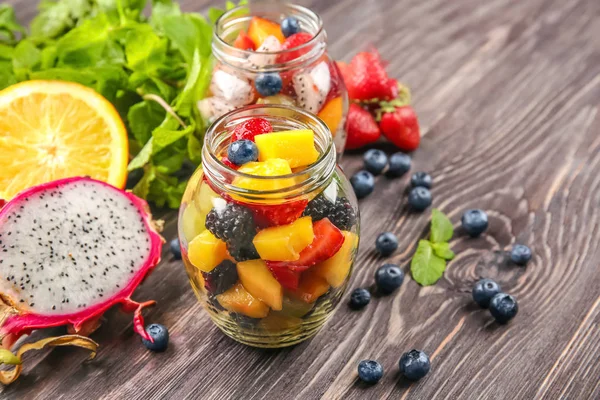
(260, 283)
(284, 242)
(192, 222)
(332, 113)
(336, 269)
(237, 299)
(206, 251)
(261, 28)
(272, 167)
(296, 147)
(312, 286)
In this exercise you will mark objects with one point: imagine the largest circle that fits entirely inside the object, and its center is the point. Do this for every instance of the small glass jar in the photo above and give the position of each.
(251, 298)
(307, 76)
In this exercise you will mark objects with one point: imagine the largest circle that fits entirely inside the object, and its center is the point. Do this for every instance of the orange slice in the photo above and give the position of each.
(51, 130)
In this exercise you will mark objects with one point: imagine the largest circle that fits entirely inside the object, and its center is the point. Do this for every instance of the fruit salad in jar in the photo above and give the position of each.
(275, 53)
(269, 226)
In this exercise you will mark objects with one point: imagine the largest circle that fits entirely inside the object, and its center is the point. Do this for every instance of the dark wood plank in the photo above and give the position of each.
(508, 94)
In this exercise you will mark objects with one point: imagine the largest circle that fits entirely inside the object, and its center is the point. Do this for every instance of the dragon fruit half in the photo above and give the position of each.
(69, 250)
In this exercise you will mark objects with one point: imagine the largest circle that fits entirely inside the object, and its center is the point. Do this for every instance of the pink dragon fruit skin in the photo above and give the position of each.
(25, 317)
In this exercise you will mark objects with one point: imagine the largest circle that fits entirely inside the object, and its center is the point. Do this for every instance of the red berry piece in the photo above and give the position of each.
(280, 214)
(401, 127)
(362, 128)
(296, 40)
(286, 277)
(249, 129)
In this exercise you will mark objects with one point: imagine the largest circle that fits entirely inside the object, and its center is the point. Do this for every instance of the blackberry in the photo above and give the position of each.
(341, 214)
(232, 223)
(242, 249)
(221, 278)
(318, 208)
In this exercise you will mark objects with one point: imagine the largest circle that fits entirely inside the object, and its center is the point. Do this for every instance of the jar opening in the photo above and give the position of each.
(290, 186)
(233, 21)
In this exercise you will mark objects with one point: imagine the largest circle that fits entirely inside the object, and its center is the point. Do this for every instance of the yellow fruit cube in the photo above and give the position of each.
(192, 222)
(206, 251)
(284, 242)
(336, 269)
(260, 283)
(332, 114)
(239, 300)
(272, 167)
(296, 147)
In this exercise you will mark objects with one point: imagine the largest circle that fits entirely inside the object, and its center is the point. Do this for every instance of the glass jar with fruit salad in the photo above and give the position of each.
(269, 225)
(275, 53)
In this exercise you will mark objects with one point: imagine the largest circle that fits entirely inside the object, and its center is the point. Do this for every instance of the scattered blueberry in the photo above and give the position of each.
(289, 26)
(359, 298)
(375, 161)
(242, 151)
(363, 183)
(475, 222)
(420, 179)
(399, 165)
(503, 307)
(414, 365)
(268, 83)
(370, 371)
(484, 290)
(388, 278)
(175, 248)
(419, 198)
(160, 334)
(520, 254)
(386, 243)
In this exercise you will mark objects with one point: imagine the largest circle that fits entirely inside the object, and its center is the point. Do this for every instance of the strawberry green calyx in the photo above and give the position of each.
(403, 99)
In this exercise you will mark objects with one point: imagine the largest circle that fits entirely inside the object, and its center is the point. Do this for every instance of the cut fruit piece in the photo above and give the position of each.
(277, 321)
(239, 300)
(296, 147)
(206, 251)
(277, 99)
(336, 269)
(204, 200)
(243, 42)
(272, 167)
(295, 307)
(285, 242)
(277, 214)
(292, 42)
(328, 240)
(289, 279)
(261, 28)
(332, 114)
(260, 283)
(192, 222)
(51, 130)
(312, 286)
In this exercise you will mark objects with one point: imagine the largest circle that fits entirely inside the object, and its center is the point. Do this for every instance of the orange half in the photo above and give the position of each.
(52, 129)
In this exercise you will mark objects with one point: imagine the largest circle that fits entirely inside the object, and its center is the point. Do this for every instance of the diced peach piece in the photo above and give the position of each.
(284, 242)
(272, 167)
(332, 113)
(296, 147)
(192, 221)
(206, 251)
(336, 269)
(260, 283)
(237, 299)
(312, 286)
(261, 28)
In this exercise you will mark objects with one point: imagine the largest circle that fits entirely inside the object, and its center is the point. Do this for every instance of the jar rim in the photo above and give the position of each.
(308, 179)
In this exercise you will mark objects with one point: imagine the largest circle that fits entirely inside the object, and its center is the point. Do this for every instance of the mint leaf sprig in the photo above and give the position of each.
(429, 261)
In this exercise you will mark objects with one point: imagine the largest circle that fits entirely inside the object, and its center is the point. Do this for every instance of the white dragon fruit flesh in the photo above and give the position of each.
(322, 78)
(69, 250)
(312, 87)
(269, 45)
(234, 89)
(212, 108)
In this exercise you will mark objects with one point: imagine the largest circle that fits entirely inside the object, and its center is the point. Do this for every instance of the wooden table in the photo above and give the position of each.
(508, 95)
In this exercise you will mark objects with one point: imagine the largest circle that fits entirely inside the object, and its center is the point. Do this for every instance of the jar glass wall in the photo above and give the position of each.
(236, 230)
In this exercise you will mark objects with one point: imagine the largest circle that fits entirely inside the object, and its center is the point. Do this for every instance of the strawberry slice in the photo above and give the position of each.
(296, 40)
(243, 42)
(231, 165)
(328, 240)
(250, 128)
(280, 214)
(286, 277)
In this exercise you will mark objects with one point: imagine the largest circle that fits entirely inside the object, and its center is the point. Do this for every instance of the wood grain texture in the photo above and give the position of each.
(508, 95)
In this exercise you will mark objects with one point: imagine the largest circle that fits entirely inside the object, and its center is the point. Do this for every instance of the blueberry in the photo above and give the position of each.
(475, 222)
(386, 243)
(268, 83)
(414, 365)
(289, 26)
(419, 198)
(520, 254)
(399, 164)
(388, 278)
(160, 334)
(503, 307)
(175, 248)
(420, 179)
(370, 371)
(484, 290)
(242, 151)
(363, 183)
(359, 298)
(375, 161)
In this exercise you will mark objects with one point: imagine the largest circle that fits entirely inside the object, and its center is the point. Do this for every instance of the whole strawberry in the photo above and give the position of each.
(366, 78)
(401, 127)
(362, 128)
